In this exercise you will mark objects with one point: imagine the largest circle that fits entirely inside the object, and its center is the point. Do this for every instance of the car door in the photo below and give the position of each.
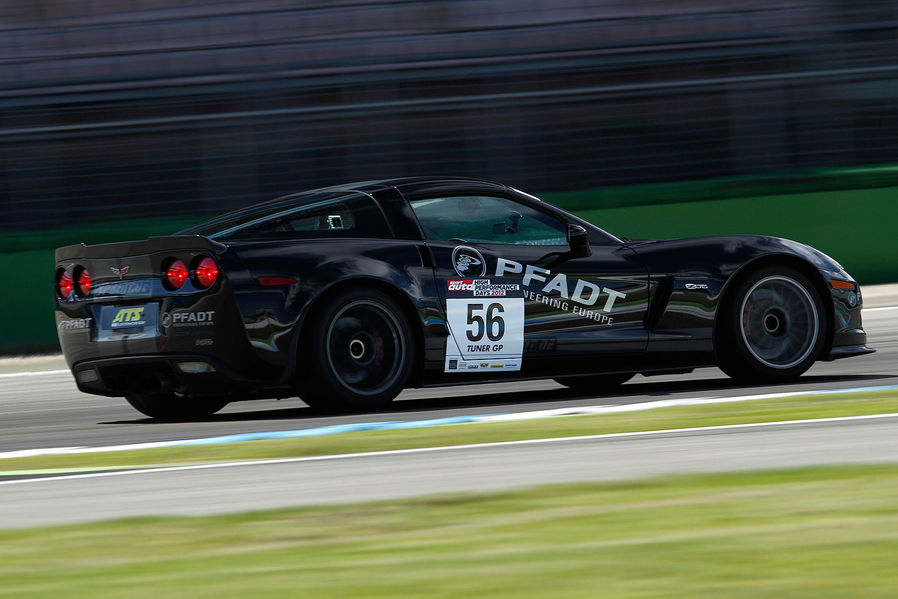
(514, 292)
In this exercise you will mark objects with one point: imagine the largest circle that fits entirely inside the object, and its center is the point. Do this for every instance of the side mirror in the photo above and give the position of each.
(578, 240)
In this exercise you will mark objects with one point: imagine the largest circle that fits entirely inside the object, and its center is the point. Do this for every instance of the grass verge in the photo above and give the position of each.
(821, 532)
(766, 410)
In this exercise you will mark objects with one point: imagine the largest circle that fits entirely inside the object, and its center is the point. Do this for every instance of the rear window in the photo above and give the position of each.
(346, 215)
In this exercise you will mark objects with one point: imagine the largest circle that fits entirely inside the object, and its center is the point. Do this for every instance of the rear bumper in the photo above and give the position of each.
(193, 374)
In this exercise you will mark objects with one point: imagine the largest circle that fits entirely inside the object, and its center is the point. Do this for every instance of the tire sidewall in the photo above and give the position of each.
(737, 359)
(321, 386)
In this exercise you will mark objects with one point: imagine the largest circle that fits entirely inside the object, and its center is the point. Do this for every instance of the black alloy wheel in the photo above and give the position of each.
(774, 328)
(358, 353)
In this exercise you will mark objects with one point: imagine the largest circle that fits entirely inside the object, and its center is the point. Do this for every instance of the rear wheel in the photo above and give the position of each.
(166, 405)
(597, 383)
(359, 352)
(774, 328)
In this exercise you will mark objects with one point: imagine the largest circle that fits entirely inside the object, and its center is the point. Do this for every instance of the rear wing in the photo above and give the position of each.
(137, 248)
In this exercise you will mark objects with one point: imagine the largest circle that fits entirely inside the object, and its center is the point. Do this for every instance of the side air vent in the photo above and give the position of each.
(658, 303)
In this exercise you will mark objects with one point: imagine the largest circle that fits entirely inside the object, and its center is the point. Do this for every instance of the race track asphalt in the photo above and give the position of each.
(46, 410)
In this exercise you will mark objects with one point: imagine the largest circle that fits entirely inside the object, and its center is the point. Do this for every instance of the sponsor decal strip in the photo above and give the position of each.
(394, 425)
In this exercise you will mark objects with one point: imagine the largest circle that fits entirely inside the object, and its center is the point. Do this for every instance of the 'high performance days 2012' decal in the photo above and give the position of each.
(486, 325)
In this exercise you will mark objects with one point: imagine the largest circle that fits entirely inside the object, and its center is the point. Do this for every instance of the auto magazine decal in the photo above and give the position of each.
(486, 325)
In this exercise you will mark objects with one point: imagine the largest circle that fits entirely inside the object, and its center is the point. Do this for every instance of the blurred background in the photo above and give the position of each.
(662, 118)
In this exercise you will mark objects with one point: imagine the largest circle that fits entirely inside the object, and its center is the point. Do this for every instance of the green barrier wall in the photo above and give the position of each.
(26, 307)
(857, 227)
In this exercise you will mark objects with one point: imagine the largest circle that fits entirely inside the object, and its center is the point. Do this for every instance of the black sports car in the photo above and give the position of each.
(346, 295)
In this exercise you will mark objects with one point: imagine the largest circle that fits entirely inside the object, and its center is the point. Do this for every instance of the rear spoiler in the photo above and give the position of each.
(138, 248)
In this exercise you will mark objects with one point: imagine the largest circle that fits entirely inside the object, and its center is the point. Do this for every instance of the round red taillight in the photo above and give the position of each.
(176, 274)
(206, 272)
(64, 285)
(84, 282)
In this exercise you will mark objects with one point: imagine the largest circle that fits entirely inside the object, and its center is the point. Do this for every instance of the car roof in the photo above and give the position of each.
(401, 182)
(366, 187)
(373, 185)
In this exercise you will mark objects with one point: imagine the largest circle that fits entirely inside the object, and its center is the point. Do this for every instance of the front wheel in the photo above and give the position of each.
(774, 328)
(358, 353)
(166, 405)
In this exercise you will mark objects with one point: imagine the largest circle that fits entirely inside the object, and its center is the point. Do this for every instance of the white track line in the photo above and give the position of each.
(512, 416)
(392, 452)
(11, 375)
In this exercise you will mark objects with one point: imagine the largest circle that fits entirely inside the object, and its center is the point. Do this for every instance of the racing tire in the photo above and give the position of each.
(359, 353)
(165, 405)
(599, 384)
(774, 326)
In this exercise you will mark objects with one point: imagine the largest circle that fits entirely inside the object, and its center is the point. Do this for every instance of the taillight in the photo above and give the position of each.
(206, 272)
(83, 282)
(176, 274)
(64, 284)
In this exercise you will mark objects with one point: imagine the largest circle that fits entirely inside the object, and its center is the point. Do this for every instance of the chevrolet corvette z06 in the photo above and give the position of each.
(346, 295)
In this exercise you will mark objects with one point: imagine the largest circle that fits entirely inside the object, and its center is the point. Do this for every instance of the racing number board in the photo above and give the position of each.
(486, 325)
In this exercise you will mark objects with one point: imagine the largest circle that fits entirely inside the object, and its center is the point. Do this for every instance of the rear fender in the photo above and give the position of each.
(412, 286)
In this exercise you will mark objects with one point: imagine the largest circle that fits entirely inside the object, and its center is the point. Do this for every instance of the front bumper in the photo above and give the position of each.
(848, 351)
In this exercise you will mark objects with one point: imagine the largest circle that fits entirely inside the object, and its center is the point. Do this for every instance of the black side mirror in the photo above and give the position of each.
(578, 239)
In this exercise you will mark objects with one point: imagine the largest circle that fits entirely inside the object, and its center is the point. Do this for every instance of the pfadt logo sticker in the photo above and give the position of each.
(468, 262)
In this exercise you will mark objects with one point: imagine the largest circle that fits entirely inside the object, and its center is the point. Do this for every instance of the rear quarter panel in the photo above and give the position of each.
(274, 316)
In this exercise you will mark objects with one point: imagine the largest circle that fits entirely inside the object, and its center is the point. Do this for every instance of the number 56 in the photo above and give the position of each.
(493, 325)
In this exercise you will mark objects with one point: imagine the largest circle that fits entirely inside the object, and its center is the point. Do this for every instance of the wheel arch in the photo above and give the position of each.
(799, 264)
(402, 298)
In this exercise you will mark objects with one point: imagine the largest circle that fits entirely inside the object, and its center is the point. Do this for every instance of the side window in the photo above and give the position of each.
(351, 216)
(488, 220)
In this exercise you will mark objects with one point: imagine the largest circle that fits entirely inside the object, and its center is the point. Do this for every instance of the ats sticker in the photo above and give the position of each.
(129, 317)
(115, 323)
